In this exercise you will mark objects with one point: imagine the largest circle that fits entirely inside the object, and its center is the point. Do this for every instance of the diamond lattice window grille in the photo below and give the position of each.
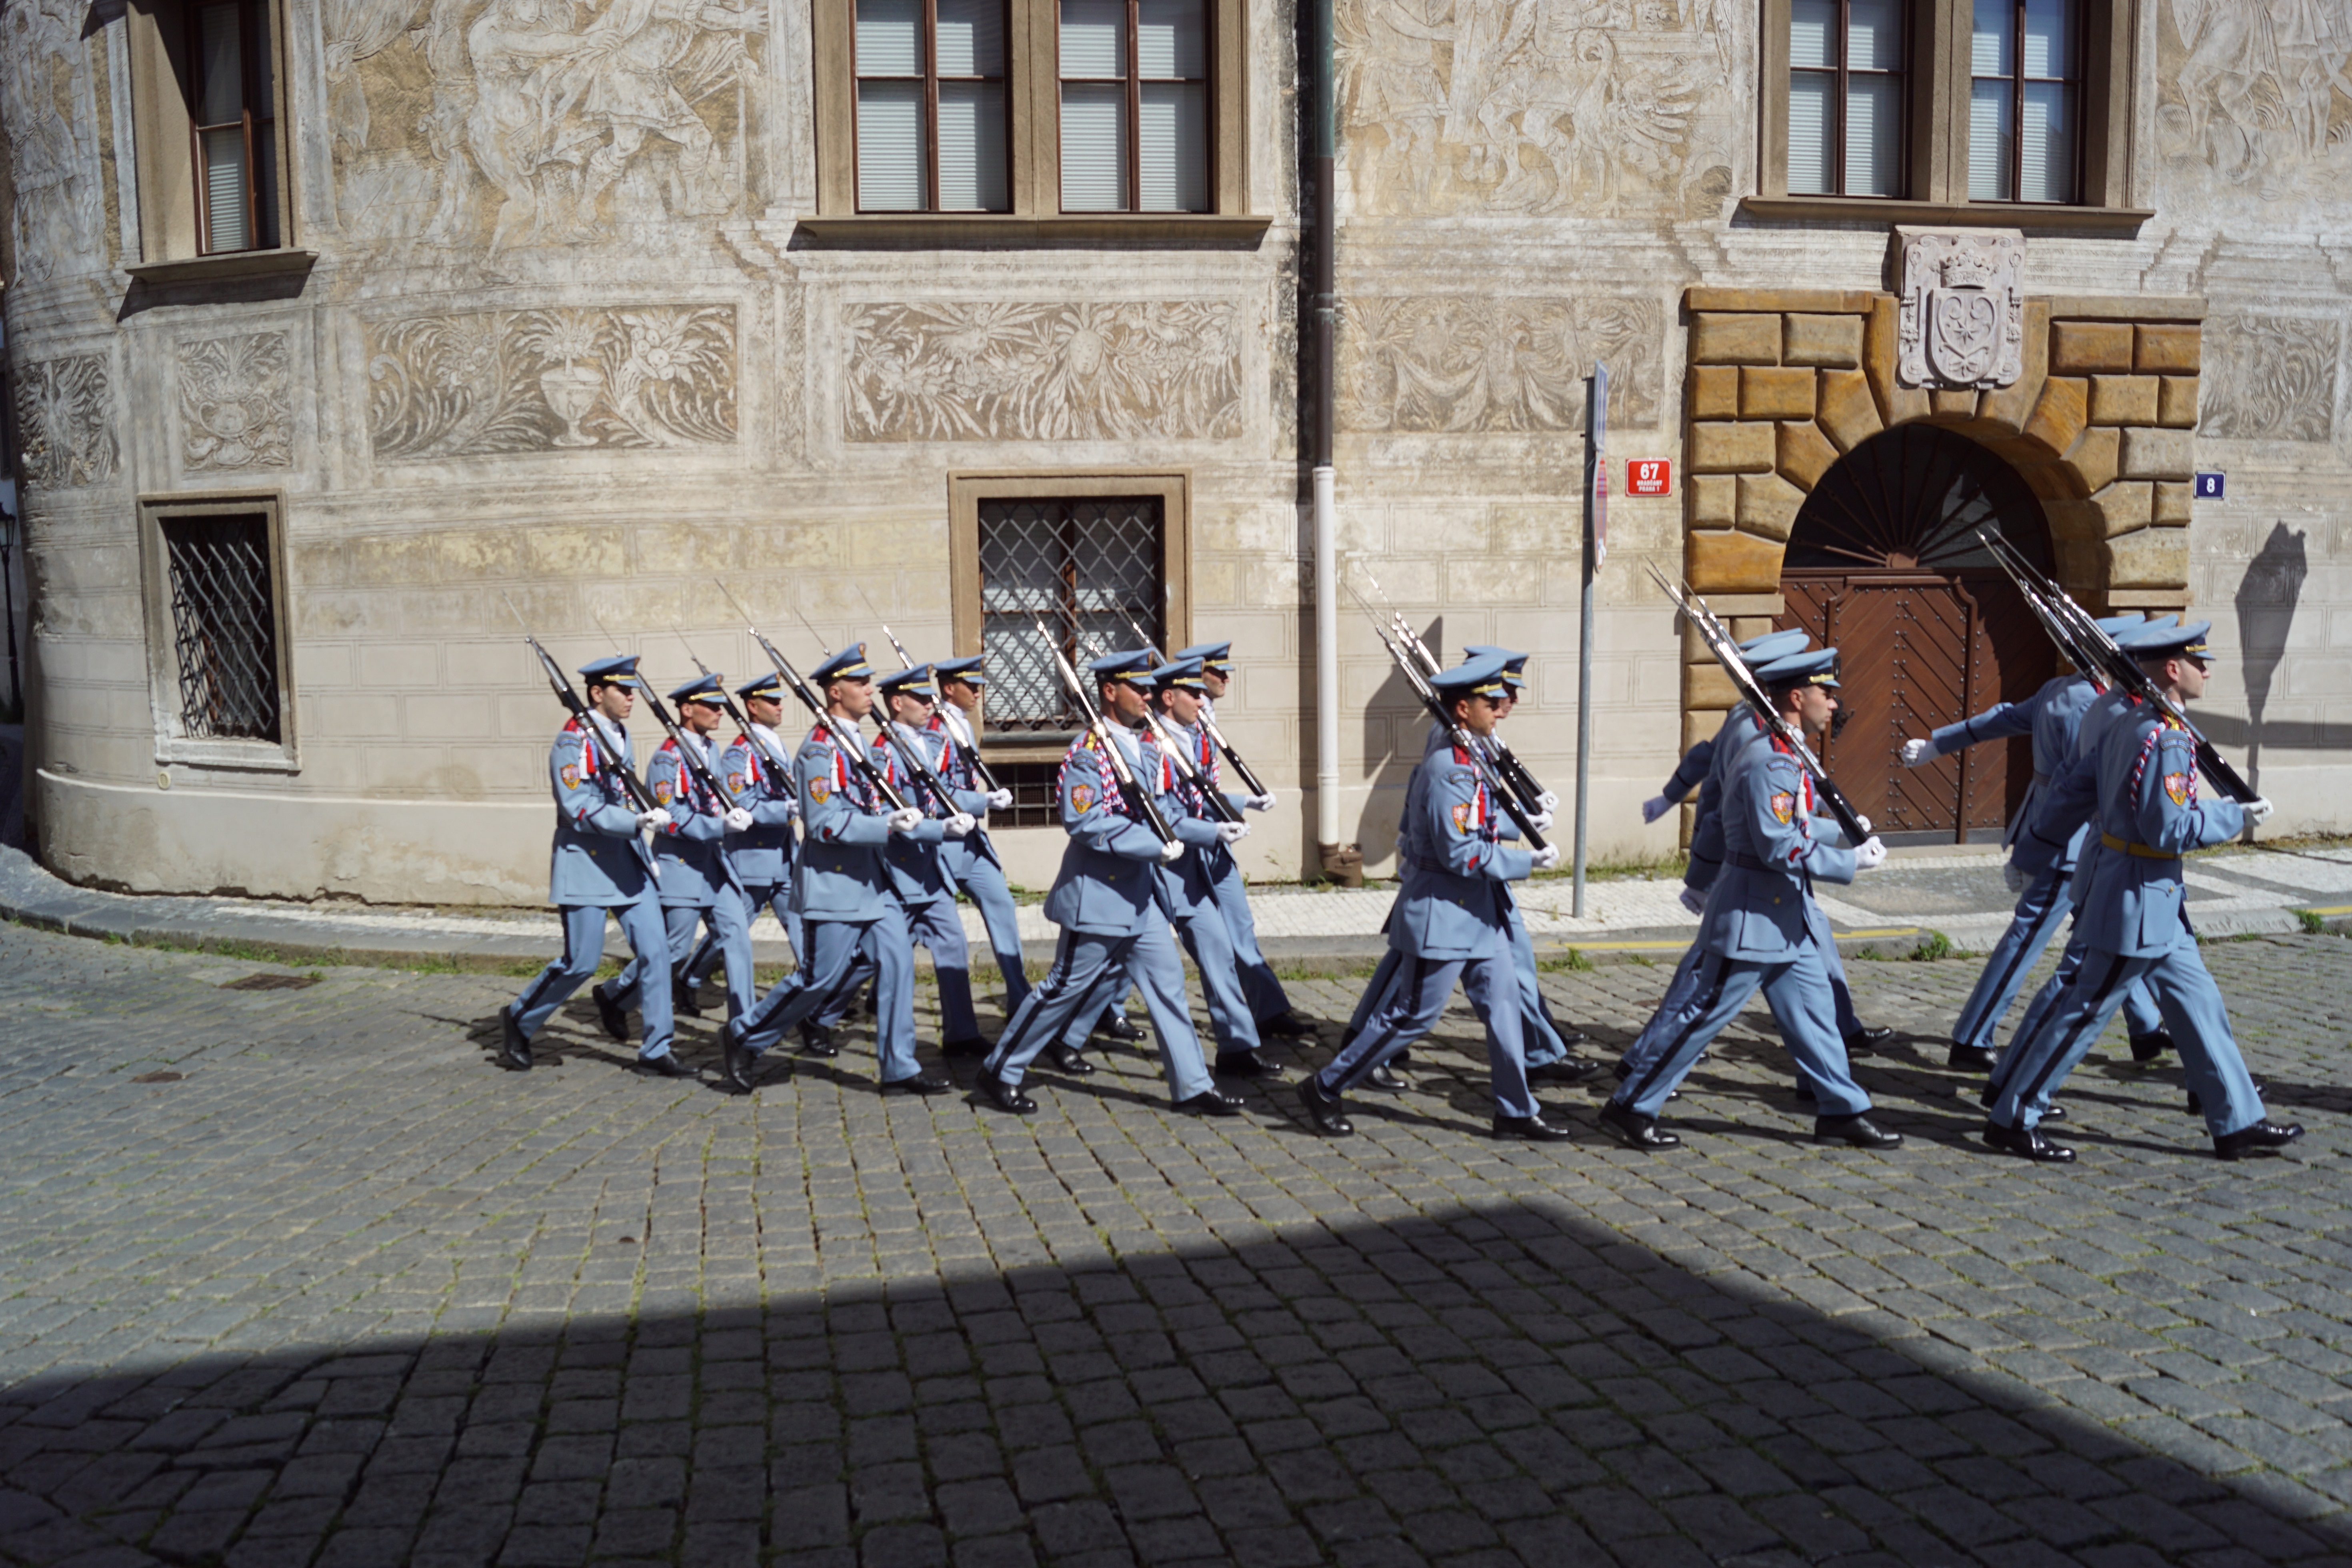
(1082, 567)
(224, 626)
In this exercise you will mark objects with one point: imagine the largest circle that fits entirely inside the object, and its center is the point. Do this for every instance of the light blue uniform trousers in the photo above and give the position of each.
(1652, 1037)
(2192, 1010)
(1798, 992)
(729, 920)
(981, 878)
(776, 896)
(1542, 1042)
(1084, 963)
(1265, 991)
(2042, 910)
(1409, 1008)
(583, 949)
(935, 923)
(836, 949)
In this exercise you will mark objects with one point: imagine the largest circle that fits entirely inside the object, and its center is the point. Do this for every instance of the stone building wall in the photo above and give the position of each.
(597, 401)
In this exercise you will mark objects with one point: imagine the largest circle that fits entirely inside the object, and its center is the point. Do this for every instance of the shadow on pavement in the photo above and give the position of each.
(1475, 1385)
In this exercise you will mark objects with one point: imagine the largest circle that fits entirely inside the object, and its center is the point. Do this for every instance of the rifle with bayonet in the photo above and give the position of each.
(727, 702)
(1718, 640)
(607, 756)
(971, 754)
(1138, 799)
(911, 758)
(1180, 754)
(1462, 741)
(809, 700)
(1513, 772)
(1209, 727)
(2096, 653)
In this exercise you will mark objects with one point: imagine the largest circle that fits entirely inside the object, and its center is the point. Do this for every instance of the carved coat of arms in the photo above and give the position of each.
(1962, 318)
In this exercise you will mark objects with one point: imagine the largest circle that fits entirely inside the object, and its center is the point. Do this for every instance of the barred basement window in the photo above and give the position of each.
(1034, 787)
(1081, 568)
(224, 626)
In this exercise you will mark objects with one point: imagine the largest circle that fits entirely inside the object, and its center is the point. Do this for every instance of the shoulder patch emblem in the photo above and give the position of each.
(1082, 799)
(2175, 786)
(734, 784)
(821, 788)
(662, 792)
(572, 776)
(1462, 810)
(1784, 805)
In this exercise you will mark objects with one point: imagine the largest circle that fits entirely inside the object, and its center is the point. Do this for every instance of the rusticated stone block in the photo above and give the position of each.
(2167, 350)
(1700, 724)
(1950, 406)
(1897, 404)
(1767, 506)
(1767, 393)
(2081, 348)
(2059, 414)
(1741, 449)
(1834, 343)
(2009, 407)
(2160, 454)
(1735, 340)
(1805, 454)
(2125, 505)
(2075, 518)
(2123, 399)
(2172, 500)
(2176, 403)
(1715, 392)
(1849, 413)
(2150, 558)
(1705, 686)
(2095, 460)
(1733, 564)
(1713, 501)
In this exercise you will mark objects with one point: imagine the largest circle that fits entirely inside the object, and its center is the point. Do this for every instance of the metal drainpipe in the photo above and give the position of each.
(1341, 862)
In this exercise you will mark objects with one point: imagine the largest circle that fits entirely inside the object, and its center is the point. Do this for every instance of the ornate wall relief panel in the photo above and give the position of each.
(1466, 362)
(2251, 104)
(1040, 371)
(235, 403)
(490, 382)
(2270, 378)
(1539, 106)
(47, 104)
(64, 416)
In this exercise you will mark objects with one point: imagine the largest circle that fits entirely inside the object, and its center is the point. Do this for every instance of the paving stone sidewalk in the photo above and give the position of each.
(294, 1275)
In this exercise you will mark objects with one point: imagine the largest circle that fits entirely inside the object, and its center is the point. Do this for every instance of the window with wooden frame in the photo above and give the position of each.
(208, 116)
(219, 665)
(1961, 111)
(1068, 564)
(233, 129)
(1030, 120)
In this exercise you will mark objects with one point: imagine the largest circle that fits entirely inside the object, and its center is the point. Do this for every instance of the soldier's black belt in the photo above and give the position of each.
(2145, 851)
(1746, 862)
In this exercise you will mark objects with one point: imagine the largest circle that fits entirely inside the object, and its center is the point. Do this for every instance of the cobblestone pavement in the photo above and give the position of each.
(295, 1275)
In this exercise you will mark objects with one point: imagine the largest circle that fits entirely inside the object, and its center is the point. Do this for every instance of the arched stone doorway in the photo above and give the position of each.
(1883, 561)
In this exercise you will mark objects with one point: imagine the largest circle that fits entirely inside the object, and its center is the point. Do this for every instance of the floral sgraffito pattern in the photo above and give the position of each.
(1041, 372)
(235, 408)
(1471, 364)
(495, 381)
(2270, 378)
(65, 414)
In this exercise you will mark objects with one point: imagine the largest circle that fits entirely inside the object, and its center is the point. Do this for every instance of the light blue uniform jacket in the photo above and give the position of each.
(918, 868)
(1758, 908)
(846, 825)
(1109, 882)
(2055, 835)
(598, 860)
(692, 850)
(763, 854)
(2051, 716)
(1455, 861)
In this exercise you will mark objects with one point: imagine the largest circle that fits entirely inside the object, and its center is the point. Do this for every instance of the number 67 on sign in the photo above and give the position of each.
(1649, 476)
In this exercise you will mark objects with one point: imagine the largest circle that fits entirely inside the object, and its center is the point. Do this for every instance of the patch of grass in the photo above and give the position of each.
(2313, 922)
(1573, 960)
(1934, 945)
(1642, 868)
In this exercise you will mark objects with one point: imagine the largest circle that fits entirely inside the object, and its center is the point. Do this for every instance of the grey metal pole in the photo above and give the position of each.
(1596, 480)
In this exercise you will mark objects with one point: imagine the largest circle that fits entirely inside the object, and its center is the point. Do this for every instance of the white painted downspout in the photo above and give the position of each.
(1327, 662)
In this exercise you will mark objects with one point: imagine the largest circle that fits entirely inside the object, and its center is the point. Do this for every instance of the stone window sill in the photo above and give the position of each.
(254, 756)
(901, 231)
(228, 264)
(1963, 215)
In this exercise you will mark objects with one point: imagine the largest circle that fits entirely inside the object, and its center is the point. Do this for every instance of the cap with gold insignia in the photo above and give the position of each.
(1515, 663)
(1132, 665)
(770, 685)
(914, 682)
(2116, 626)
(710, 688)
(1216, 658)
(1819, 668)
(1480, 677)
(849, 663)
(2184, 641)
(616, 669)
(1179, 675)
(1758, 651)
(966, 670)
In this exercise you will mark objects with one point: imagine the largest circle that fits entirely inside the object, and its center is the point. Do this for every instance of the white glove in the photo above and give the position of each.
(1914, 753)
(1231, 832)
(1171, 852)
(1540, 822)
(652, 821)
(1656, 806)
(738, 820)
(1546, 858)
(999, 800)
(1870, 854)
(903, 820)
(1261, 802)
(1548, 801)
(1865, 822)
(2258, 811)
(1691, 899)
(2012, 876)
(960, 824)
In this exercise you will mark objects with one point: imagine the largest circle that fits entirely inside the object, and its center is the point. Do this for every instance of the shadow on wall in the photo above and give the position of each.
(1501, 1378)
(2266, 600)
(1395, 724)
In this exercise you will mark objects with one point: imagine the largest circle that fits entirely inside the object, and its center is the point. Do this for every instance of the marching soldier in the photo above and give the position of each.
(758, 770)
(1759, 931)
(1451, 923)
(920, 876)
(1112, 906)
(2132, 919)
(971, 860)
(1277, 1020)
(599, 863)
(847, 911)
(699, 881)
(2053, 717)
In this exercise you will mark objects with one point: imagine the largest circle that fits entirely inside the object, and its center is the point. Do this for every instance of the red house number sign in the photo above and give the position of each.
(1649, 476)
